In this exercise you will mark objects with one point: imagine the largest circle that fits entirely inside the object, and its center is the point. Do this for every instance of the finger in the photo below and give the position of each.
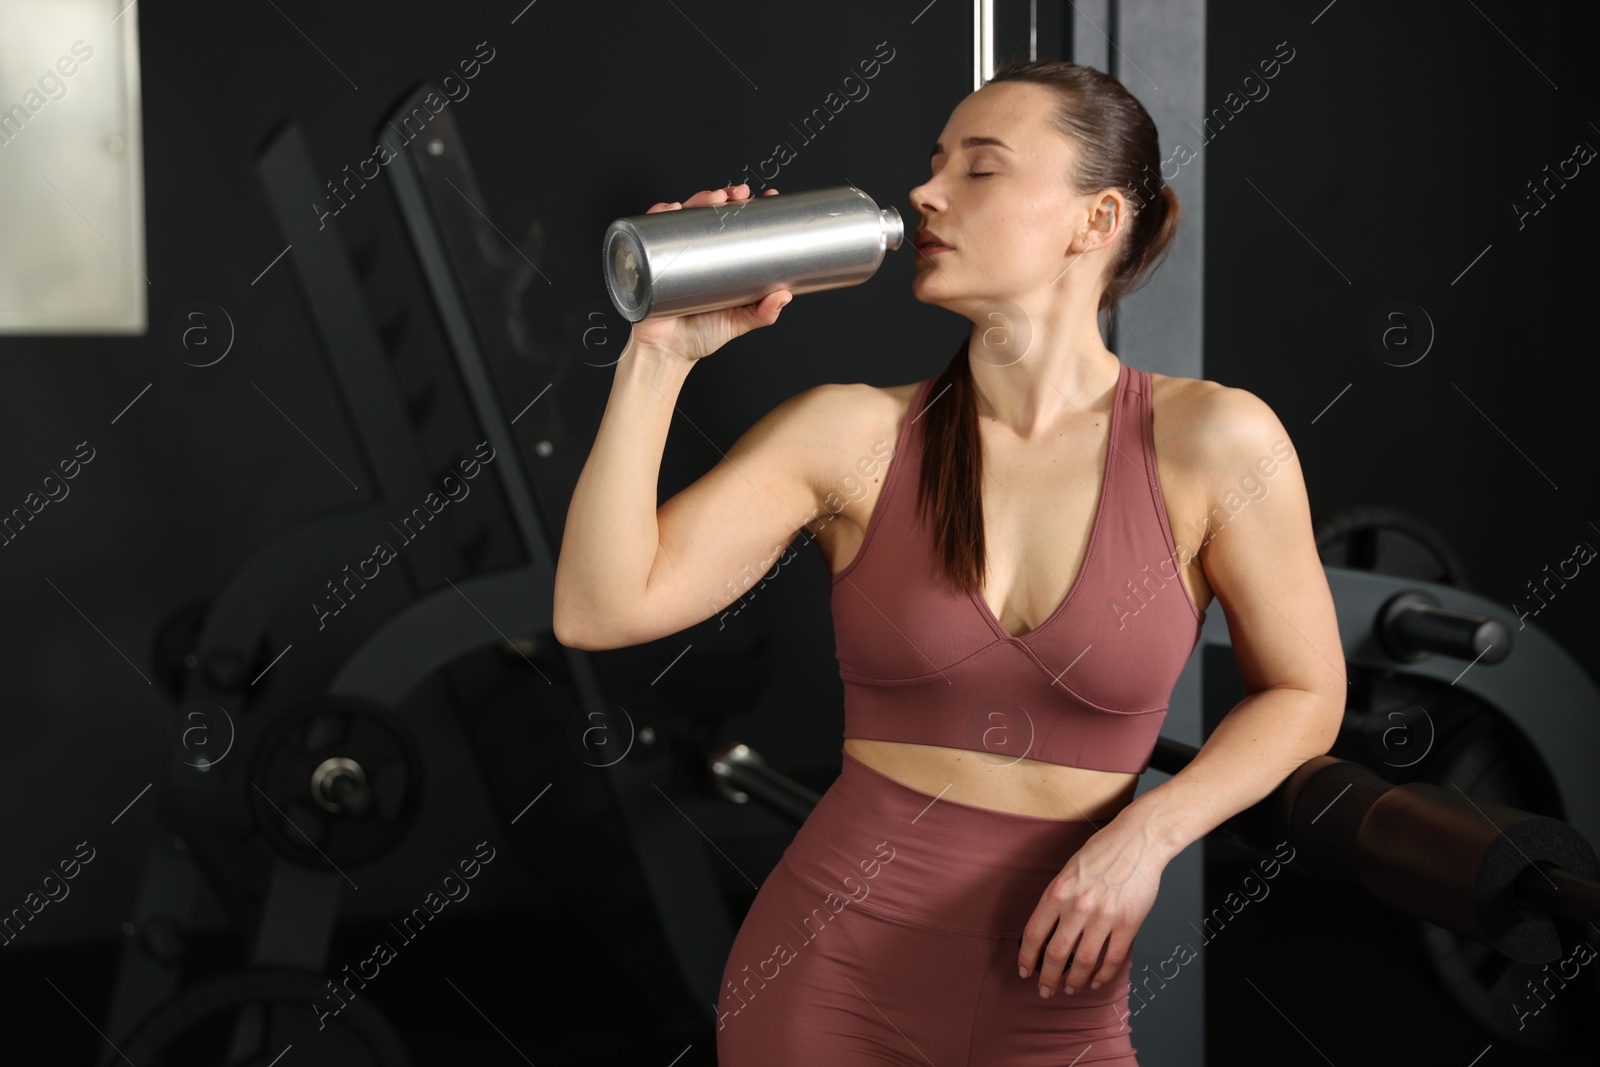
(765, 311)
(711, 197)
(1089, 950)
(1058, 954)
(738, 194)
(1117, 949)
(1034, 934)
(707, 197)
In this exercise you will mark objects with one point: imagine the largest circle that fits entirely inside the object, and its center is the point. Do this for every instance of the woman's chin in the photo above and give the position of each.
(927, 290)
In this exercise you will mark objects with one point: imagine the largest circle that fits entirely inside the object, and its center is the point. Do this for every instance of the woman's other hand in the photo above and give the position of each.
(1095, 906)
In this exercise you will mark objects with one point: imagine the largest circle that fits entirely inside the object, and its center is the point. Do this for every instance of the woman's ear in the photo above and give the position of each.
(1101, 225)
(1110, 205)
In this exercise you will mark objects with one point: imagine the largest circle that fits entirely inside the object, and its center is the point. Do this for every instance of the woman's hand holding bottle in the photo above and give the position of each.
(692, 337)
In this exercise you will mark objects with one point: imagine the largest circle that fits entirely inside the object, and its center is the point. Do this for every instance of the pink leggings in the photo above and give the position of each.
(888, 935)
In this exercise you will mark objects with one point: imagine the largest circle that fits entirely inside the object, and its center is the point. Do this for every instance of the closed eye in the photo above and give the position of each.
(979, 173)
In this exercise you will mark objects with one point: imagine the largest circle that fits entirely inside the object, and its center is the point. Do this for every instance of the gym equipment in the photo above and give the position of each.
(1496, 894)
(1413, 625)
(1484, 754)
(1425, 706)
(209, 655)
(189, 1029)
(694, 259)
(739, 771)
(1557, 725)
(1485, 870)
(347, 800)
(174, 655)
(639, 876)
(1428, 730)
(1353, 537)
(1479, 732)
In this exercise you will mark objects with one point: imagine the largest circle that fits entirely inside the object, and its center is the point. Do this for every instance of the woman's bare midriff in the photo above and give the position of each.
(984, 779)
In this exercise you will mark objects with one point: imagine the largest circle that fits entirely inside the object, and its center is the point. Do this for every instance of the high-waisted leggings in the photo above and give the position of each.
(888, 934)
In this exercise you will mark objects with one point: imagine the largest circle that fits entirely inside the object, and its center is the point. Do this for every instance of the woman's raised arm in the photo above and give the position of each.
(629, 572)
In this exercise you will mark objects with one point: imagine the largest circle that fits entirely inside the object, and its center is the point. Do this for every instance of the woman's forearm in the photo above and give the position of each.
(1253, 749)
(609, 546)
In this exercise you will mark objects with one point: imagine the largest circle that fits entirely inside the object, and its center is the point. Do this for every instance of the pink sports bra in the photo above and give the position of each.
(1088, 687)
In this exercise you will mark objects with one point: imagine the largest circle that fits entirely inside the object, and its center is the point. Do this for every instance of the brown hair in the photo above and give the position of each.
(1117, 146)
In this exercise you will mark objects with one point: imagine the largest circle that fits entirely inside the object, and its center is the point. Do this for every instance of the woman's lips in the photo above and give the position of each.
(929, 250)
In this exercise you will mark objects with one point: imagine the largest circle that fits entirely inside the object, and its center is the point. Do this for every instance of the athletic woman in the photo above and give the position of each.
(1022, 550)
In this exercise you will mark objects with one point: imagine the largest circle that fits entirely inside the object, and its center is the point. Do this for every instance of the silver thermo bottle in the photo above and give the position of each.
(689, 260)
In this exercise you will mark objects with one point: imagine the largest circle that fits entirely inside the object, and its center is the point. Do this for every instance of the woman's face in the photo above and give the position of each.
(999, 198)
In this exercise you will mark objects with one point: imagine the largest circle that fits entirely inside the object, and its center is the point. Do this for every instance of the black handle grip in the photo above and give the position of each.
(1412, 625)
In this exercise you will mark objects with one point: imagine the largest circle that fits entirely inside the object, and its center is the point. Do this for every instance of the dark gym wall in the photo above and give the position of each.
(1395, 142)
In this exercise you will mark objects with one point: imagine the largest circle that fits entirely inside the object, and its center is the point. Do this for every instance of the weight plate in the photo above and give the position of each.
(356, 816)
(1350, 537)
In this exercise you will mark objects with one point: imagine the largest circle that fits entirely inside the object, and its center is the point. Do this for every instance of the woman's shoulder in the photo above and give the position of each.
(884, 394)
(857, 407)
(1190, 403)
(1180, 391)
(1218, 419)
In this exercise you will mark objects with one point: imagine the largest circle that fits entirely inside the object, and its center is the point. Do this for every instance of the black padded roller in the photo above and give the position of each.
(1433, 852)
